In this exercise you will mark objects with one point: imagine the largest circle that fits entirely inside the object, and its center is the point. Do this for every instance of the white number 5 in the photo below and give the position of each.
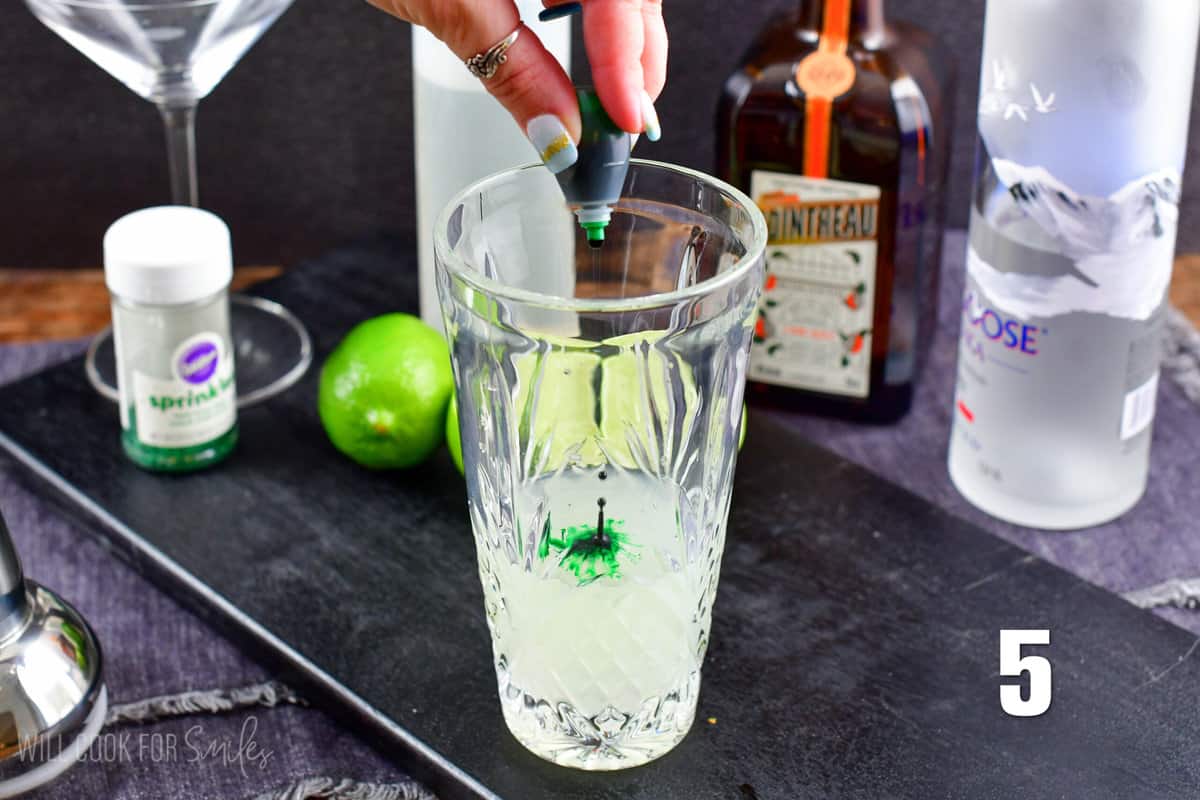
(1013, 665)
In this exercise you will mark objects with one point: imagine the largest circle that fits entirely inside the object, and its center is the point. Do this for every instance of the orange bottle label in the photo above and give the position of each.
(823, 76)
(815, 320)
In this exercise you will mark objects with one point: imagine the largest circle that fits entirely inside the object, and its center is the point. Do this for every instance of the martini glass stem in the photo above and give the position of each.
(180, 124)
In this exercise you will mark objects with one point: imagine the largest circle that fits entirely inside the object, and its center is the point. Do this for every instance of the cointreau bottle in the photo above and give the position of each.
(837, 124)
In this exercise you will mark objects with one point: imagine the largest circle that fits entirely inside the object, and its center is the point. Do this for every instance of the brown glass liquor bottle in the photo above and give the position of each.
(837, 124)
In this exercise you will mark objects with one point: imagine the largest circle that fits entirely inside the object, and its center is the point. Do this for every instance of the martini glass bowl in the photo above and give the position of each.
(170, 52)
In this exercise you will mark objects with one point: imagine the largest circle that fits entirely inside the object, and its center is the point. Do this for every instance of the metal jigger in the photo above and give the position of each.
(52, 700)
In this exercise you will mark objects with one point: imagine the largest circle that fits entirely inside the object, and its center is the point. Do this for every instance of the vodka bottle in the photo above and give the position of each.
(462, 134)
(1083, 118)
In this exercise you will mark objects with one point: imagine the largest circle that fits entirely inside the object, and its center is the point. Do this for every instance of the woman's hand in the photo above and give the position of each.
(626, 44)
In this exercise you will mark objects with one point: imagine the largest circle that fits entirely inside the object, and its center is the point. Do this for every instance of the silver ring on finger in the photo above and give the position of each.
(484, 65)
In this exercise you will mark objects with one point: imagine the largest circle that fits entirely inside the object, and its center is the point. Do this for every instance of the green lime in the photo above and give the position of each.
(642, 391)
(562, 412)
(453, 437)
(384, 391)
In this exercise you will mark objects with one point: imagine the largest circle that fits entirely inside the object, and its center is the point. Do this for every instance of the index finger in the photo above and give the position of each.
(614, 32)
(654, 52)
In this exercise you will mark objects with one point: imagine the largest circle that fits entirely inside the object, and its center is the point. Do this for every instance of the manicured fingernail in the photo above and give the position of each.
(650, 118)
(552, 141)
(558, 12)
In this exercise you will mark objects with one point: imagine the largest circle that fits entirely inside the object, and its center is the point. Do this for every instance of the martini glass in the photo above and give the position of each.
(171, 52)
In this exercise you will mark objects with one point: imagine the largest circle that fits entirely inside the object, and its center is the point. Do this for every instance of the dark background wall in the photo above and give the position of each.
(308, 141)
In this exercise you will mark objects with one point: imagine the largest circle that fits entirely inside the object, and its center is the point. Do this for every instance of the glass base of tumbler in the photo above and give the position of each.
(611, 740)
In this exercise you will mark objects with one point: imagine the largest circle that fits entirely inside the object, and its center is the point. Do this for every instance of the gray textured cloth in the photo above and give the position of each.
(329, 789)
(1181, 359)
(154, 647)
(202, 701)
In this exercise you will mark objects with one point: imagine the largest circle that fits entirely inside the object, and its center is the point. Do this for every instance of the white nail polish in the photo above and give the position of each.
(650, 118)
(552, 141)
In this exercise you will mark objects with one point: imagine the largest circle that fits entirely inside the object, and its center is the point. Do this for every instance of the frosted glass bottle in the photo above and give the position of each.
(1083, 119)
(462, 134)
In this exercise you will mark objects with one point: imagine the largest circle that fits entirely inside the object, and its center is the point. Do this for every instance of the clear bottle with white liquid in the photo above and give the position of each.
(1083, 121)
(462, 134)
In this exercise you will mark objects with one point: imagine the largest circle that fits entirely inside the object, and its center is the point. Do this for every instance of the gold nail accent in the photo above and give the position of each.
(555, 147)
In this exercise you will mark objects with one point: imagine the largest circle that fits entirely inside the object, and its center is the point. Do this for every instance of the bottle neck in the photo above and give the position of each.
(866, 16)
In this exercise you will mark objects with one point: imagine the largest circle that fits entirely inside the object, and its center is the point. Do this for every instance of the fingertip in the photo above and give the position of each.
(650, 118)
(654, 55)
(574, 122)
(568, 113)
(622, 102)
(552, 142)
(614, 33)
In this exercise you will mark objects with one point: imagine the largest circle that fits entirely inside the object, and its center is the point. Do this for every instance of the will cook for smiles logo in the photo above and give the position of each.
(195, 746)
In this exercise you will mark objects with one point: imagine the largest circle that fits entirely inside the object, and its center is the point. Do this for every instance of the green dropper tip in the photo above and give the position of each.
(594, 230)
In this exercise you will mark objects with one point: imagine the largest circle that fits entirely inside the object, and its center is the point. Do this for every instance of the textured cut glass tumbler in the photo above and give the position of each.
(600, 399)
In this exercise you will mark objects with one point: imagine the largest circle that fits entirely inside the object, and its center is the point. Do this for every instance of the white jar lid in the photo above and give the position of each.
(167, 255)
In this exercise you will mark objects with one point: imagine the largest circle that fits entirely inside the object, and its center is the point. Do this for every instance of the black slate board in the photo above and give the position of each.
(855, 637)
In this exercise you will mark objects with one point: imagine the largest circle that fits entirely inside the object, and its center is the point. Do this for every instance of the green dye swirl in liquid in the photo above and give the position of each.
(590, 552)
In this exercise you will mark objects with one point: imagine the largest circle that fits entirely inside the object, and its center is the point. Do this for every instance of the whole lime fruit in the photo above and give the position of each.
(453, 438)
(384, 392)
(742, 432)
(565, 412)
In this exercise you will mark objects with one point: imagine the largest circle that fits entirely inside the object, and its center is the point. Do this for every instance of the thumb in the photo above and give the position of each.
(530, 83)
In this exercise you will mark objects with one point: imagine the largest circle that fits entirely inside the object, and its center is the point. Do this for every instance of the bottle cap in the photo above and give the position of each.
(168, 255)
(593, 220)
(599, 173)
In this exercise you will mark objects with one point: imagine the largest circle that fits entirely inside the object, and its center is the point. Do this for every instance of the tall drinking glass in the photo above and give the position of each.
(600, 398)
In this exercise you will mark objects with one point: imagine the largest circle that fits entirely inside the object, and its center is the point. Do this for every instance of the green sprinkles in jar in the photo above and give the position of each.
(168, 271)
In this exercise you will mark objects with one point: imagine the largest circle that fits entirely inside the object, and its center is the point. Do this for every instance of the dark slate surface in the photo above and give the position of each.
(1153, 542)
(854, 642)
